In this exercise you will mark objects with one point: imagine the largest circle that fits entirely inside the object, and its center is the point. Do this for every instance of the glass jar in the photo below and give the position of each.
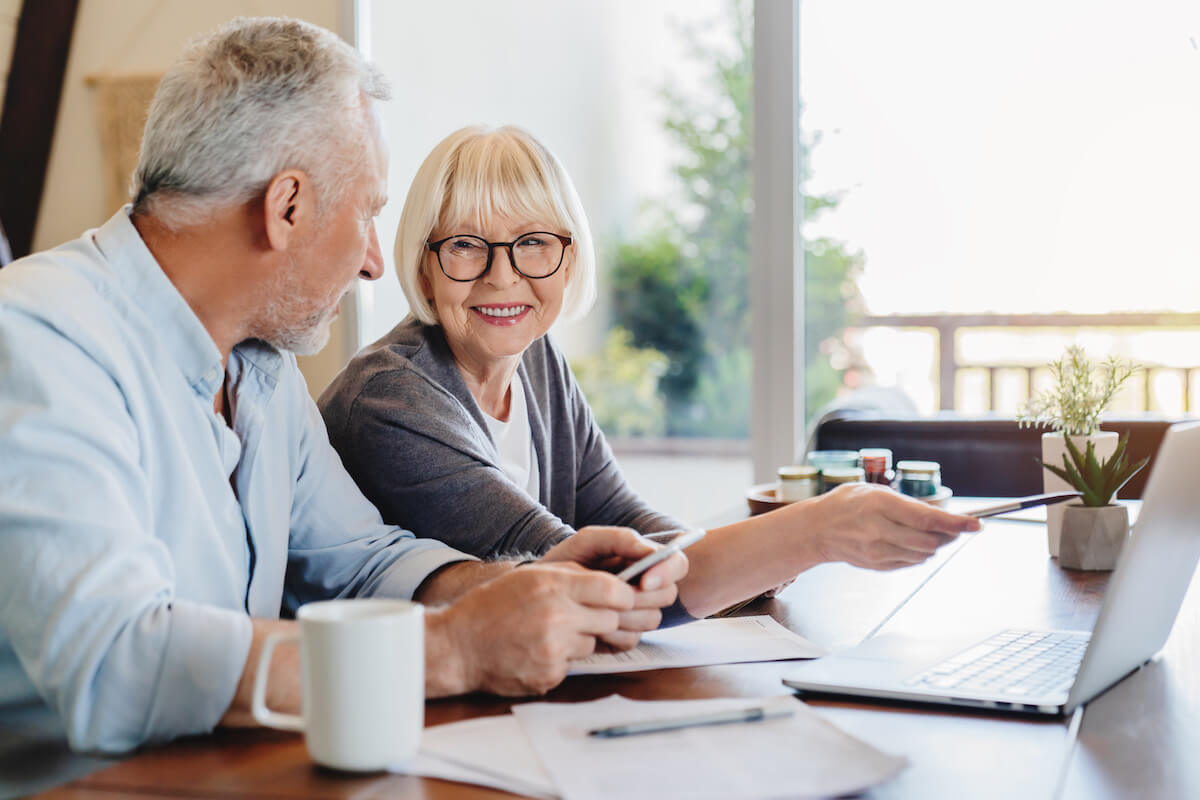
(836, 476)
(918, 478)
(796, 483)
(833, 459)
(876, 463)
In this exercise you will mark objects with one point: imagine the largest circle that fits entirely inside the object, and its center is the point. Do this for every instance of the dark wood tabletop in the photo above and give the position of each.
(1139, 739)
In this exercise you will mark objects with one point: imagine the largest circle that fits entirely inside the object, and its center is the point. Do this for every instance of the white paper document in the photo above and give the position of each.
(488, 751)
(725, 640)
(801, 755)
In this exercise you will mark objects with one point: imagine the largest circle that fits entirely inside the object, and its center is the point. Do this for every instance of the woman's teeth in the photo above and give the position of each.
(508, 311)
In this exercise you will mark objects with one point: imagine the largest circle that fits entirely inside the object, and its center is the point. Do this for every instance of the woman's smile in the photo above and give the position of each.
(502, 314)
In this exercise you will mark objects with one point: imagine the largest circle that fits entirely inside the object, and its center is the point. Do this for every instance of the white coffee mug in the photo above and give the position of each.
(362, 666)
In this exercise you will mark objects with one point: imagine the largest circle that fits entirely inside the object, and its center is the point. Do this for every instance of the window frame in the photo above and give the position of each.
(776, 250)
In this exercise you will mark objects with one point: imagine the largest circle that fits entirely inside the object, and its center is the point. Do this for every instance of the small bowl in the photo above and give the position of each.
(940, 498)
(761, 498)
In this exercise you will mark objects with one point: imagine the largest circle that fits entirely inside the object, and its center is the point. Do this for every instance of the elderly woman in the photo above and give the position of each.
(464, 422)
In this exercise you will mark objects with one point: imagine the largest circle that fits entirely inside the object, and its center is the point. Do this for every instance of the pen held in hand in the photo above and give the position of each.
(1018, 503)
(754, 714)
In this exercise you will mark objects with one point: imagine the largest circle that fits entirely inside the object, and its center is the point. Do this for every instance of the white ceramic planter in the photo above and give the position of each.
(1054, 447)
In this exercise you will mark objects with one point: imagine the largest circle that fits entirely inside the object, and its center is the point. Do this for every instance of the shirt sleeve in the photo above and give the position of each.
(87, 591)
(339, 544)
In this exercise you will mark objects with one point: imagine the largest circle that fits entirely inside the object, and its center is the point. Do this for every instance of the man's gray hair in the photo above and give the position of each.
(253, 98)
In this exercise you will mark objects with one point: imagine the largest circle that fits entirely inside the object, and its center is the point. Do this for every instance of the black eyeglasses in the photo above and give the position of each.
(466, 258)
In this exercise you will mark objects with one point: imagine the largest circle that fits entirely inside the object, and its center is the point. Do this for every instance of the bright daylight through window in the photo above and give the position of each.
(1006, 179)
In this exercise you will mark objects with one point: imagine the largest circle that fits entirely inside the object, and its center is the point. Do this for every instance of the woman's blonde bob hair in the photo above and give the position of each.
(476, 175)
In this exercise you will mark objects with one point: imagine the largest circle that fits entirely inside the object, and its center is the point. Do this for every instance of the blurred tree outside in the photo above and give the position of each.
(629, 400)
(683, 290)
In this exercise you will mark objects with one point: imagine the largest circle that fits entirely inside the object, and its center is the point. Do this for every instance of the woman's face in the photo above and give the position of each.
(495, 317)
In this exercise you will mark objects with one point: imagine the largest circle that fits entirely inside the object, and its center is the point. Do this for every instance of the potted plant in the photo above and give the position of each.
(1094, 531)
(1081, 391)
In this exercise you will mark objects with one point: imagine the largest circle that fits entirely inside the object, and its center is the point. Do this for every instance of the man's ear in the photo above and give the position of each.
(288, 208)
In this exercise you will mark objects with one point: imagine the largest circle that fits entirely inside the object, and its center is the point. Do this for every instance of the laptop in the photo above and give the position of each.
(1050, 672)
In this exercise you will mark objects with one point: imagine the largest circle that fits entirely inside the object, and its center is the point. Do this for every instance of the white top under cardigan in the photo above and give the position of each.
(514, 441)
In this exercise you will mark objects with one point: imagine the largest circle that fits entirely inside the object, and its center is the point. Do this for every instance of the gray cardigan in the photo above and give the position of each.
(411, 434)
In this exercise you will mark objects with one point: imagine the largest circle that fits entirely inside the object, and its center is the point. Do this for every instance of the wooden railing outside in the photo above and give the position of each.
(947, 328)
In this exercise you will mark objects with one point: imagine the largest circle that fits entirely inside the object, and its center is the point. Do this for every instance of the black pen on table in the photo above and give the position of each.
(754, 714)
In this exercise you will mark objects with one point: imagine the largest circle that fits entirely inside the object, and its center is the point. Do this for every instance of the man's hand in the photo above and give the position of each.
(874, 527)
(611, 549)
(516, 634)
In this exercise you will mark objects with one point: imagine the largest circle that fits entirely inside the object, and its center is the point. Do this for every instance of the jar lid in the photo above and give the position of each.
(797, 472)
(919, 467)
(850, 457)
(875, 452)
(842, 474)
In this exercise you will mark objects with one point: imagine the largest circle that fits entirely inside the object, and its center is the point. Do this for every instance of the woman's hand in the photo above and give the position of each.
(862, 524)
(874, 527)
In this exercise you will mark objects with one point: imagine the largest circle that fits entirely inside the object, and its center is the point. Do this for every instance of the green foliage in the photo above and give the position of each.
(685, 289)
(721, 402)
(621, 383)
(659, 295)
(831, 304)
(1081, 392)
(1097, 481)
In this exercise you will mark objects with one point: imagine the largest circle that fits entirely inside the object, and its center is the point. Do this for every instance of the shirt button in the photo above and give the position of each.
(211, 375)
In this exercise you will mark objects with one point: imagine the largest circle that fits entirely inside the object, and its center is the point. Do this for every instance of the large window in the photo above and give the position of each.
(995, 181)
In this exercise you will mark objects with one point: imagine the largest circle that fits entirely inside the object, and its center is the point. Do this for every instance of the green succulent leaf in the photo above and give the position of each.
(1098, 481)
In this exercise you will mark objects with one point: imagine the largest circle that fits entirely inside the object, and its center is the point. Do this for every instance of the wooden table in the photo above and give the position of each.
(1140, 739)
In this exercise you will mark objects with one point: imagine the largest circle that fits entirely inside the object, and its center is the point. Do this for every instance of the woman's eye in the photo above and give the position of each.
(531, 241)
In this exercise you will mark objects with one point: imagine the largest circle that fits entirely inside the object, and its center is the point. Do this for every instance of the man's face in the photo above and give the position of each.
(343, 246)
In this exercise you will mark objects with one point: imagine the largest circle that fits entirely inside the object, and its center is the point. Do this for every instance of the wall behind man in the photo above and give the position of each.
(140, 36)
(10, 10)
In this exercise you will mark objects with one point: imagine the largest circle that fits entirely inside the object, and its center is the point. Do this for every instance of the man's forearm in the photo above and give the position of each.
(454, 580)
(283, 683)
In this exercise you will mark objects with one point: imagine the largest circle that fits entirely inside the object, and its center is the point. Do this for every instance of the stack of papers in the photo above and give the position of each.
(727, 640)
(544, 750)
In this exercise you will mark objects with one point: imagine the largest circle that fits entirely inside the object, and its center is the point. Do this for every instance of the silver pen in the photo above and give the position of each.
(753, 714)
(1018, 503)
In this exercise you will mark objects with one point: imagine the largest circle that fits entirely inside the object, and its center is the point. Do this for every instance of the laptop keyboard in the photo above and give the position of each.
(1013, 663)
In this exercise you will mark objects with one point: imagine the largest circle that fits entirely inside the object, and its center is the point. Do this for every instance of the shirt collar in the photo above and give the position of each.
(176, 326)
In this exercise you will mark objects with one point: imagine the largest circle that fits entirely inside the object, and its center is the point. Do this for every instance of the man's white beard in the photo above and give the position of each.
(306, 338)
(289, 323)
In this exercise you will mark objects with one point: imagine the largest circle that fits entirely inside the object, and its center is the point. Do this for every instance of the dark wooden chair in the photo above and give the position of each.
(980, 456)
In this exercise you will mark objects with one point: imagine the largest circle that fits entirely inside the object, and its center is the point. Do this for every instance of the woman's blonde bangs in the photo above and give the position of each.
(497, 175)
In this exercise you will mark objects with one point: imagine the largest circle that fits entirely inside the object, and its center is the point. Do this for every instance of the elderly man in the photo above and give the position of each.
(166, 485)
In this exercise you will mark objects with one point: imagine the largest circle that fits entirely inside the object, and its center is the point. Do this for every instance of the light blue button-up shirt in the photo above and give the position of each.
(138, 532)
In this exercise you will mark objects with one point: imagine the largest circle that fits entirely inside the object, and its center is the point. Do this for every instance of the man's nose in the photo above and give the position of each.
(373, 264)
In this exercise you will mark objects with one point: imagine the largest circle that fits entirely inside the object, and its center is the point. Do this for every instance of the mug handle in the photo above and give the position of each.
(264, 715)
